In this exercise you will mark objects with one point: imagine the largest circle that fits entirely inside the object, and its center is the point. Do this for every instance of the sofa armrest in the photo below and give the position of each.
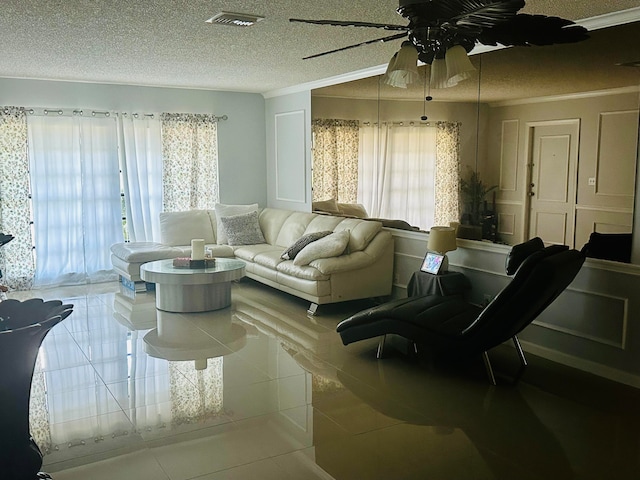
(355, 260)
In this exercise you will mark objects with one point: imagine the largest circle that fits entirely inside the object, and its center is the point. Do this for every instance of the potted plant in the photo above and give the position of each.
(473, 192)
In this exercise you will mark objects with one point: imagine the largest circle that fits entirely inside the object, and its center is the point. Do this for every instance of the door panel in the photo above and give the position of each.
(552, 189)
(551, 227)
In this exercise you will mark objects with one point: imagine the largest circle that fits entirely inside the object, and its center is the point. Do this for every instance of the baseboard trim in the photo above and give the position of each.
(604, 371)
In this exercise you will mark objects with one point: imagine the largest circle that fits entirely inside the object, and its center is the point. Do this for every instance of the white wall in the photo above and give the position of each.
(288, 122)
(241, 138)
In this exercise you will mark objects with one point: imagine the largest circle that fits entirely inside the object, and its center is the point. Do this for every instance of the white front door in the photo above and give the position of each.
(553, 176)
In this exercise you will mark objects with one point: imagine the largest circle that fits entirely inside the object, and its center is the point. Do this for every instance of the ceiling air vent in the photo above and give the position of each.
(235, 19)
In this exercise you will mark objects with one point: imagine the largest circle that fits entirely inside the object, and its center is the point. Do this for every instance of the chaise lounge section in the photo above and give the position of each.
(361, 268)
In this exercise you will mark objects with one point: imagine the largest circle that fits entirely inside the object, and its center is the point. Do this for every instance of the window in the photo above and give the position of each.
(404, 171)
(75, 189)
(396, 177)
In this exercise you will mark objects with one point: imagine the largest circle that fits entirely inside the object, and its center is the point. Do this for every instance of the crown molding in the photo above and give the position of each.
(568, 96)
(610, 19)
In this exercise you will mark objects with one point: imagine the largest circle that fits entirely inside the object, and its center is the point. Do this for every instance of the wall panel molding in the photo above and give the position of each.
(615, 160)
(506, 223)
(608, 320)
(509, 155)
(290, 147)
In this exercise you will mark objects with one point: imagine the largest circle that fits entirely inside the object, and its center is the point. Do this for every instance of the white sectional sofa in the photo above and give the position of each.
(363, 270)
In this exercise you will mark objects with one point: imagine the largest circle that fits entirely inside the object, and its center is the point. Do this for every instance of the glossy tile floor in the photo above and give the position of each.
(261, 391)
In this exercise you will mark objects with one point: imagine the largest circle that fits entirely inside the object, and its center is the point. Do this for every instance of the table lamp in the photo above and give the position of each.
(442, 240)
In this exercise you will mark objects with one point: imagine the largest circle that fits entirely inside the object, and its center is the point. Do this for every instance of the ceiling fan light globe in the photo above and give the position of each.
(403, 67)
(391, 77)
(396, 79)
(439, 73)
(459, 67)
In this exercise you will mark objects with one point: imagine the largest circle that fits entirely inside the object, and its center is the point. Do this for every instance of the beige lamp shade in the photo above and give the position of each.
(442, 239)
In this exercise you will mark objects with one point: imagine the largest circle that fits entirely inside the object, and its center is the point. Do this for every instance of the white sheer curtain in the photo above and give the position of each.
(141, 164)
(396, 172)
(75, 183)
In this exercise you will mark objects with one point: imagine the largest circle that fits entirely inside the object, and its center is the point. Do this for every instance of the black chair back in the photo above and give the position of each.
(539, 280)
(609, 246)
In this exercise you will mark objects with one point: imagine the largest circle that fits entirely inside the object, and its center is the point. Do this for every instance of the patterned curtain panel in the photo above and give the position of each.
(447, 203)
(16, 257)
(190, 161)
(335, 160)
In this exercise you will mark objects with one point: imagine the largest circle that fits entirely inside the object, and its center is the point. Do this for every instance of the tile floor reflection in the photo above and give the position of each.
(261, 391)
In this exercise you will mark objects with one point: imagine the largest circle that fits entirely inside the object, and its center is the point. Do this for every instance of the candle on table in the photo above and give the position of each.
(197, 249)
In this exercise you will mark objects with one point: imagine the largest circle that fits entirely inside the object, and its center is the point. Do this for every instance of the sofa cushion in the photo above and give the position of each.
(249, 252)
(220, 250)
(142, 252)
(323, 222)
(242, 229)
(269, 259)
(291, 252)
(330, 246)
(362, 231)
(271, 221)
(293, 228)
(304, 272)
(223, 210)
(179, 228)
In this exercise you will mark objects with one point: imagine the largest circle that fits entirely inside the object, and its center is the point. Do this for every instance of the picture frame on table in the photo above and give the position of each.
(432, 263)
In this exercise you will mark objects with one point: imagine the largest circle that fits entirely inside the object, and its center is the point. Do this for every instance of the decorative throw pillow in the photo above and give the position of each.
(243, 229)
(228, 211)
(291, 252)
(328, 206)
(329, 246)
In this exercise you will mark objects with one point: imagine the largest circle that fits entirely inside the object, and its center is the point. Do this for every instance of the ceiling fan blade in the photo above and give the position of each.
(484, 13)
(471, 13)
(340, 23)
(525, 30)
(378, 40)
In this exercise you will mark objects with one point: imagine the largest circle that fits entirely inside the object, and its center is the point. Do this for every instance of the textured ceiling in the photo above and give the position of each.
(168, 43)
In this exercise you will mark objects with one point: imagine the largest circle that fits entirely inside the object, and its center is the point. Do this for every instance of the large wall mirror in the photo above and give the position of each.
(551, 133)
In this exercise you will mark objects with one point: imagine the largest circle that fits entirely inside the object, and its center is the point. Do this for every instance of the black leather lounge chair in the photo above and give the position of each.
(450, 327)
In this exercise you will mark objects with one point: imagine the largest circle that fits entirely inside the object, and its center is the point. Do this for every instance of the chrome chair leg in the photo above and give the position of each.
(523, 359)
(380, 351)
(487, 366)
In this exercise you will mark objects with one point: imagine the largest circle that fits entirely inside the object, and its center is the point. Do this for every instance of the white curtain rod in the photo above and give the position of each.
(410, 123)
(105, 113)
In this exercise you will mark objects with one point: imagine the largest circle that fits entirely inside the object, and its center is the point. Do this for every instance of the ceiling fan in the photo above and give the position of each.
(437, 26)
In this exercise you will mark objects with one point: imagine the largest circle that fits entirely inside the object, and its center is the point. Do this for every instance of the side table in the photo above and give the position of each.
(447, 283)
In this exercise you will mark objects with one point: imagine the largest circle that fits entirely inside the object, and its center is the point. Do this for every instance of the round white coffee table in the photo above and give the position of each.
(192, 289)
